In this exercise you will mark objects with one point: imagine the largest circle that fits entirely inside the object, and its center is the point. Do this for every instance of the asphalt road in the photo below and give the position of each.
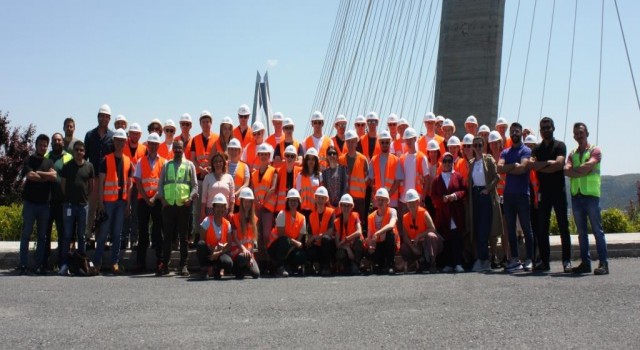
(412, 311)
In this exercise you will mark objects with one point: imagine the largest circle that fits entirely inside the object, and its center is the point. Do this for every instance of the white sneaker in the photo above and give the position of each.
(64, 270)
(478, 266)
(514, 266)
(447, 269)
(459, 269)
(528, 265)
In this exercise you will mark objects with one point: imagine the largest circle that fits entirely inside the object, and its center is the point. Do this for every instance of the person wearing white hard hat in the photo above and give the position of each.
(155, 125)
(317, 140)
(361, 126)
(357, 168)
(264, 182)
(321, 244)
(448, 193)
(514, 163)
(287, 175)
(430, 124)
(340, 124)
(460, 164)
(434, 160)
(98, 143)
(392, 125)
(383, 239)
(349, 238)
(120, 122)
(397, 144)
(276, 120)
(165, 149)
(421, 243)
(285, 245)
(216, 232)
(415, 168)
(243, 132)
(250, 151)
(448, 129)
(147, 176)
(368, 145)
(245, 234)
(495, 149)
(501, 127)
(308, 180)
(115, 182)
(471, 125)
(218, 181)
(484, 132)
(135, 150)
(335, 178)
(226, 134)
(438, 127)
(384, 169)
(286, 141)
(69, 127)
(238, 169)
(467, 147)
(185, 128)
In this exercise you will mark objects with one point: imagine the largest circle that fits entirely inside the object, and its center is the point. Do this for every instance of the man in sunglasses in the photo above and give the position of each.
(166, 148)
(185, 129)
(361, 126)
(338, 141)
(243, 132)
(368, 143)
(317, 140)
(276, 120)
(430, 123)
(385, 171)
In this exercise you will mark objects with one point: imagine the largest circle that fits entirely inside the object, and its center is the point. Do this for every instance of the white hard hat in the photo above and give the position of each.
(384, 135)
(219, 199)
(311, 152)
(360, 119)
(120, 134)
(287, 122)
(429, 117)
(346, 198)
(227, 120)
(350, 134)
(484, 128)
(403, 121)
(246, 193)
(530, 139)
(449, 122)
(411, 195)
(453, 141)
(468, 139)
(317, 116)
(322, 191)
(471, 120)
(186, 117)
(120, 118)
(392, 118)
(105, 109)
(494, 136)
(433, 145)
(257, 126)
(205, 114)
(340, 119)
(440, 118)
(264, 148)
(234, 143)
(293, 193)
(243, 110)
(409, 133)
(156, 121)
(501, 121)
(382, 192)
(170, 123)
(277, 116)
(291, 149)
(135, 127)
(447, 154)
(372, 116)
(153, 138)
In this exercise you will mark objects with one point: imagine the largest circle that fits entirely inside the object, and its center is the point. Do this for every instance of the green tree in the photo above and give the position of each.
(15, 145)
(614, 220)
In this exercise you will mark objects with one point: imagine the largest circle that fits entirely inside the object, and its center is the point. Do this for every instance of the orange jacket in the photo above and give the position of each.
(150, 176)
(111, 187)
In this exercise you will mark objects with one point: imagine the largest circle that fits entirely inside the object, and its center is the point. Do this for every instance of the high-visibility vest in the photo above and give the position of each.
(385, 220)
(282, 161)
(292, 227)
(398, 145)
(307, 192)
(246, 237)
(150, 176)
(262, 186)
(390, 173)
(202, 151)
(534, 185)
(422, 143)
(217, 146)
(461, 166)
(501, 183)
(414, 226)
(66, 157)
(251, 155)
(325, 142)
(356, 179)
(248, 136)
(364, 143)
(111, 187)
(140, 152)
(320, 226)
(352, 223)
(272, 140)
(177, 187)
(164, 152)
(238, 177)
(282, 186)
(507, 143)
(588, 185)
(185, 144)
(341, 150)
(211, 239)
(422, 190)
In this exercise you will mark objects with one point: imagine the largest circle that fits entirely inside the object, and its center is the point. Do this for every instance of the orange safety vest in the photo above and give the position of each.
(535, 186)
(385, 220)
(354, 218)
(282, 161)
(282, 185)
(317, 226)
(307, 192)
(238, 177)
(364, 143)
(390, 174)
(186, 145)
(422, 190)
(163, 151)
(322, 152)
(357, 178)
(501, 183)
(262, 186)
(140, 152)
(342, 150)
(414, 226)
(248, 136)
(202, 152)
(246, 238)
(398, 145)
(272, 140)
(292, 227)
(218, 146)
(211, 239)
(422, 143)
(461, 166)
(252, 156)
(150, 176)
(111, 188)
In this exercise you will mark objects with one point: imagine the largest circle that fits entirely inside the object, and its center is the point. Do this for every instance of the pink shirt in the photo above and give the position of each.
(211, 186)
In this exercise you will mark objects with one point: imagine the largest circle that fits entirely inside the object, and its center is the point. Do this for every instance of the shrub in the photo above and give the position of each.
(10, 222)
(615, 221)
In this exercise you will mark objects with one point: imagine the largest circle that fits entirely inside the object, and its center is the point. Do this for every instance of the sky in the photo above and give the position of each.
(159, 59)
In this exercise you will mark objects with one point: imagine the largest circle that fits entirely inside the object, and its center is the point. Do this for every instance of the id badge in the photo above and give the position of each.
(68, 211)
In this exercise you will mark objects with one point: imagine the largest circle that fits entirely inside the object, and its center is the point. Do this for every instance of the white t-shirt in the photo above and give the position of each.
(378, 220)
(216, 229)
(410, 172)
(478, 174)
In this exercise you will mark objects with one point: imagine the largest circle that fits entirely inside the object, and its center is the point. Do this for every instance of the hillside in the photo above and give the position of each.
(617, 191)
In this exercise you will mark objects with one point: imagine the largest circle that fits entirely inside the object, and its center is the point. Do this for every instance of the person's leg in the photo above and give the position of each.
(359, 207)
(296, 258)
(69, 224)
(203, 252)
(390, 251)
(407, 254)
(144, 214)
(510, 213)
(55, 216)
(327, 251)
(156, 228)
(116, 230)
(226, 263)
(91, 215)
(80, 213)
(561, 210)
(544, 222)
(182, 224)
(593, 212)
(28, 219)
(133, 228)
(278, 251)
(456, 247)
(524, 214)
(169, 230)
(195, 215)
(482, 217)
(42, 216)
(580, 216)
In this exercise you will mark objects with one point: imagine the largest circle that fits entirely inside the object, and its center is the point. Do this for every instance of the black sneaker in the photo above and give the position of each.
(542, 267)
(582, 268)
(603, 269)
(42, 270)
(22, 270)
(162, 270)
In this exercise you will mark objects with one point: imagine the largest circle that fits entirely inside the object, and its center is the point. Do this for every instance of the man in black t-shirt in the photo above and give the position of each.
(39, 175)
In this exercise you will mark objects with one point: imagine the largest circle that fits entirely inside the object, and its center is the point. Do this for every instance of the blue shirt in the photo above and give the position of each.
(516, 184)
(97, 148)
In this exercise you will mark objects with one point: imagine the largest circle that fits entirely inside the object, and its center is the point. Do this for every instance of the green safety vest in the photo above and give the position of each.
(588, 185)
(177, 187)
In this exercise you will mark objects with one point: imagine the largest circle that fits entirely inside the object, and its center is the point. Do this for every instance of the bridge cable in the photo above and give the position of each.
(546, 67)
(524, 78)
(573, 40)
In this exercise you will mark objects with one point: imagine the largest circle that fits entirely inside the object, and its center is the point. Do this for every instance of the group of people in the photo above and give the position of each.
(252, 203)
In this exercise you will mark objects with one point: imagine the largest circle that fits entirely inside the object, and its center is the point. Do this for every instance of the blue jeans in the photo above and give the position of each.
(518, 206)
(482, 218)
(588, 207)
(112, 226)
(130, 225)
(37, 213)
(75, 215)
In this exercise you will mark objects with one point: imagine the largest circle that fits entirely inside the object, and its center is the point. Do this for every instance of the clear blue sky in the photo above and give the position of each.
(159, 59)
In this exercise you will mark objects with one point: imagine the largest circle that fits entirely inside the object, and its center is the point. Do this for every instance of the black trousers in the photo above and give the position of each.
(452, 249)
(279, 253)
(175, 224)
(356, 247)
(203, 251)
(385, 253)
(55, 215)
(243, 265)
(557, 201)
(322, 253)
(145, 213)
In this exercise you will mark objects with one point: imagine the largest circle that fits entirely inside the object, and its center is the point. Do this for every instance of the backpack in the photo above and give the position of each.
(80, 265)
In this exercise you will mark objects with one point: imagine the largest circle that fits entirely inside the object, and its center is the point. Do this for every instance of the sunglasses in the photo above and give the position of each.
(467, 146)
(332, 154)
(287, 128)
(477, 145)
(185, 124)
(317, 122)
(385, 142)
(391, 124)
(169, 131)
(243, 117)
(341, 125)
(290, 156)
(447, 161)
(257, 133)
(345, 205)
(360, 125)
